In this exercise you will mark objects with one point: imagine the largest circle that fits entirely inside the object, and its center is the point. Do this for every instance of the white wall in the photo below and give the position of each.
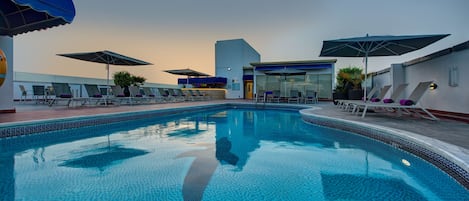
(6, 90)
(230, 58)
(445, 97)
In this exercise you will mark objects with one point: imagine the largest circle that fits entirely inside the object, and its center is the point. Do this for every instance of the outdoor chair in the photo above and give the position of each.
(346, 104)
(203, 96)
(94, 94)
(311, 96)
(64, 93)
(136, 96)
(193, 96)
(164, 94)
(274, 96)
(260, 96)
(394, 97)
(412, 102)
(149, 94)
(180, 94)
(24, 93)
(294, 96)
(39, 93)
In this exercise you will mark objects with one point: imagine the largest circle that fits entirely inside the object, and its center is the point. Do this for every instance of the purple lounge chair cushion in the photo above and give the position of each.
(97, 96)
(375, 99)
(139, 95)
(121, 95)
(406, 102)
(151, 95)
(65, 95)
(388, 100)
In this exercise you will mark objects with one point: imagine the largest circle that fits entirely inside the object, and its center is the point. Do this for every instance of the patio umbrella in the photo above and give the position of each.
(285, 72)
(21, 16)
(106, 57)
(376, 46)
(187, 72)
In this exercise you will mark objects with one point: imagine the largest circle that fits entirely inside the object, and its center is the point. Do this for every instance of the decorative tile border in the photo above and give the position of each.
(450, 165)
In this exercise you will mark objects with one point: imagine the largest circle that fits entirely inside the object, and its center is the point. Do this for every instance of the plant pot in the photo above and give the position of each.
(354, 94)
(339, 96)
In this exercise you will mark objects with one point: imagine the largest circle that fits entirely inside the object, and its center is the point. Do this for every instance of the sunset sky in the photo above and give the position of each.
(175, 34)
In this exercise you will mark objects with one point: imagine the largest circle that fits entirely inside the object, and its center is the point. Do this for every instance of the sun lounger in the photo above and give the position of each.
(94, 94)
(394, 97)
(148, 92)
(294, 96)
(200, 94)
(311, 96)
(346, 104)
(412, 102)
(164, 94)
(274, 97)
(63, 93)
(193, 96)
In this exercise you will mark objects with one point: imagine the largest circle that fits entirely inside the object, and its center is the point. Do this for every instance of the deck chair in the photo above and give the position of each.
(396, 94)
(136, 96)
(346, 104)
(294, 96)
(163, 93)
(24, 93)
(260, 96)
(119, 95)
(412, 102)
(148, 92)
(63, 93)
(94, 94)
(180, 94)
(203, 96)
(274, 97)
(39, 93)
(193, 96)
(311, 96)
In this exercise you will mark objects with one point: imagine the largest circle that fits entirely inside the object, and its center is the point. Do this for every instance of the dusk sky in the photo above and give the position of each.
(176, 34)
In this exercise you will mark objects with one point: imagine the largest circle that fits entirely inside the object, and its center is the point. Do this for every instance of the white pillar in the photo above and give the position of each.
(6, 90)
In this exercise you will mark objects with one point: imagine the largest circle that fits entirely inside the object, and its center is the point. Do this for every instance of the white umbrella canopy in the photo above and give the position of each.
(370, 46)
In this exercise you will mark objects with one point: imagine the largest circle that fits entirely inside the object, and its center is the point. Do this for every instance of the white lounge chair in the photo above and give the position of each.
(412, 102)
(63, 93)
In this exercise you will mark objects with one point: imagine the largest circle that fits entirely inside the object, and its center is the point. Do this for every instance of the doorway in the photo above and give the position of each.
(248, 85)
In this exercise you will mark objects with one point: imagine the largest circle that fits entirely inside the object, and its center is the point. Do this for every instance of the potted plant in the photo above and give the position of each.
(125, 79)
(354, 77)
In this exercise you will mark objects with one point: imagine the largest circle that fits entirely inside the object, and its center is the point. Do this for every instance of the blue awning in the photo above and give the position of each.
(296, 67)
(21, 16)
(204, 80)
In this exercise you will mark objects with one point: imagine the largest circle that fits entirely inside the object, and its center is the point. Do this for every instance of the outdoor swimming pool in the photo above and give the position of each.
(229, 154)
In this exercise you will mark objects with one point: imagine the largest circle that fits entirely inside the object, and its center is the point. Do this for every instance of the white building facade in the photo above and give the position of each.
(230, 58)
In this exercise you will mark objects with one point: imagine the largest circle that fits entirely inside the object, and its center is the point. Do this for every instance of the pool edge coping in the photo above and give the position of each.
(398, 139)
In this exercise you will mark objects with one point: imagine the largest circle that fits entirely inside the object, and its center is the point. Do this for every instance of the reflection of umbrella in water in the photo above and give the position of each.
(286, 72)
(376, 46)
(101, 156)
(106, 57)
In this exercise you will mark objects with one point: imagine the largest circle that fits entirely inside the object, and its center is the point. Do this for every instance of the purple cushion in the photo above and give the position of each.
(406, 102)
(97, 96)
(375, 100)
(65, 95)
(151, 95)
(139, 95)
(388, 100)
(121, 95)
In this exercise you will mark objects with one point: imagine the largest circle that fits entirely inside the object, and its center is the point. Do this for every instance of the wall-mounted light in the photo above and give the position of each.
(228, 69)
(433, 86)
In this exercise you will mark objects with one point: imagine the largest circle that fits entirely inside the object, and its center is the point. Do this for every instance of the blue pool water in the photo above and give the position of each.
(231, 154)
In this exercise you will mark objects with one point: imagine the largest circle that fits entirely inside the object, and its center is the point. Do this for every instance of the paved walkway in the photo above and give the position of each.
(450, 131)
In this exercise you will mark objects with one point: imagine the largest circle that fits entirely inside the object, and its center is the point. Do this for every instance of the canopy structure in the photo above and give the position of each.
(377, 46)
(106, 57)
(21, 16)
(187, 72)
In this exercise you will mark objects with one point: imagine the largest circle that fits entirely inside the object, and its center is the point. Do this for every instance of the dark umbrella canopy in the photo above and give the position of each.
(187, 72)
(106, 57)
(21, 16)
(377, 46)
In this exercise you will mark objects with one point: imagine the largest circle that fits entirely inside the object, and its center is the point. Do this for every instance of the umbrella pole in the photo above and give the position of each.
(107, 83)
(366, 72)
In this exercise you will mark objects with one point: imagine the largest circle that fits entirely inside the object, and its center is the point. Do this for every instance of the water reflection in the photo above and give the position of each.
(101, 157)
